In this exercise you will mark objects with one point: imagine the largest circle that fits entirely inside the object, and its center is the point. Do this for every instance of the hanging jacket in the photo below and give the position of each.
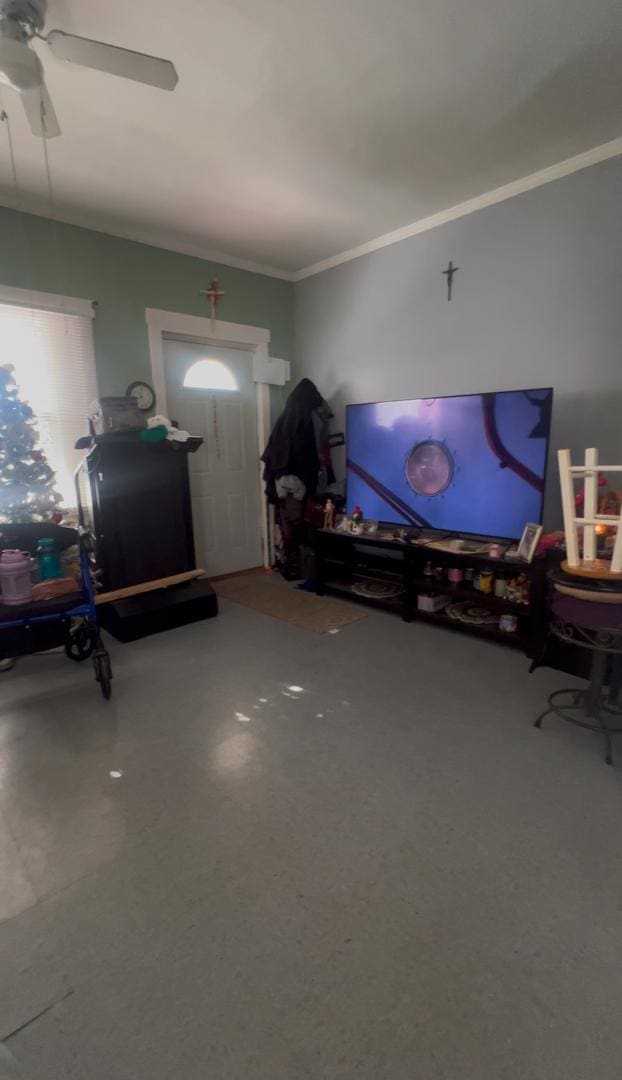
(292, 447)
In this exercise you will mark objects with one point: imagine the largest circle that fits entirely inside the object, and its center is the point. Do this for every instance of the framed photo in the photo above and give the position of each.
(529, 541)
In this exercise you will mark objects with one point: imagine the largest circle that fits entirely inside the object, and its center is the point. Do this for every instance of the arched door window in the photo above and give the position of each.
(210, 375)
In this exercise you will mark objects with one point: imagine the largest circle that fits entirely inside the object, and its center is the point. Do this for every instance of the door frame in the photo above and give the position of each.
(266, 371)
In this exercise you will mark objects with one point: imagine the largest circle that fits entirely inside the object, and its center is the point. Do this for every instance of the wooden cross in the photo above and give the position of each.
(214, 294)
(450, 271)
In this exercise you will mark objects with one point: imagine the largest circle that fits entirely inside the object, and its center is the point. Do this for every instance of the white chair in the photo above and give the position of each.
(589, 565)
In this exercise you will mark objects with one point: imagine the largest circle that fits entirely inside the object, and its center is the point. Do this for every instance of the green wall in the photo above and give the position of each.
(125, 278)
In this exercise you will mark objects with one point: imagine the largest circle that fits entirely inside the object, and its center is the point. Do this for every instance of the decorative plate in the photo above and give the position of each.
(376, 590)
(469, 613)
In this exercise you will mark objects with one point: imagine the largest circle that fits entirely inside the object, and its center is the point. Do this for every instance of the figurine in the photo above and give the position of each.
(329, 514)
(357, 520)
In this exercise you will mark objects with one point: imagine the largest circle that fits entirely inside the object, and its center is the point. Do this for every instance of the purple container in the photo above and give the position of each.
(15, 577)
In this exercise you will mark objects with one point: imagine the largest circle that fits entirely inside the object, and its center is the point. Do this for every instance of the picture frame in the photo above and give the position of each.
(529, 541)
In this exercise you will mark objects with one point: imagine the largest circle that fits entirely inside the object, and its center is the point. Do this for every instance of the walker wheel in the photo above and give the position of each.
(80, 643)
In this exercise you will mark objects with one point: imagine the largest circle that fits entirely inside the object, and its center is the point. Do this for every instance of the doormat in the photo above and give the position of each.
(272, 596)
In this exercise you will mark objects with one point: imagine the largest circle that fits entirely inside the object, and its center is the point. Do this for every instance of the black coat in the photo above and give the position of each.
(292, 447)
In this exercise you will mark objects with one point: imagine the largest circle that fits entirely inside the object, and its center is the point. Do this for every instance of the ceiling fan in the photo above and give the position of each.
(22, 70)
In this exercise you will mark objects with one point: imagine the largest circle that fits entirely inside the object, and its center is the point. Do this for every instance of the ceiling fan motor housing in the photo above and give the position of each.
(28, 15)
(20, 66)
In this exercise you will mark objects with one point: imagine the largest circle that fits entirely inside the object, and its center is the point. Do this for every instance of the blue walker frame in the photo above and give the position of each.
(82, 641)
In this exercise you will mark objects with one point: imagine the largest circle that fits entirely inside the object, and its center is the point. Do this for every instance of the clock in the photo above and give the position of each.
(143, 395)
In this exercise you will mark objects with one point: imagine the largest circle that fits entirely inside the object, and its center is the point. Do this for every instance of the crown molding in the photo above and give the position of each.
(489, 198)
(196, 251)
(479, 202)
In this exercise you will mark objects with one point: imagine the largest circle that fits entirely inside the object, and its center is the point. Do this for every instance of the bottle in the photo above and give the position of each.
(486, 581)
(427, 570)
(500, 585)
(48, 561)
(15, 577)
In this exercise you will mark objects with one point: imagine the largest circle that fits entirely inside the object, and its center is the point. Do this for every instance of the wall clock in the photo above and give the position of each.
(143, 395)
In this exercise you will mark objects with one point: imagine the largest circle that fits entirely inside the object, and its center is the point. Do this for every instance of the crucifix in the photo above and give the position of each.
(214, 294)
(450, 271)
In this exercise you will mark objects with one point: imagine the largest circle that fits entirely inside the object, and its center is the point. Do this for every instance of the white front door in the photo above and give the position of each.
(211, 393)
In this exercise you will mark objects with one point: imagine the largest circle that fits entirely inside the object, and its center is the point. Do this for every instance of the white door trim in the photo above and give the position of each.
(265, 370)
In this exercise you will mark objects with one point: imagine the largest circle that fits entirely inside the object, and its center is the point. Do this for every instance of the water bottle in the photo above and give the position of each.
(48, 560)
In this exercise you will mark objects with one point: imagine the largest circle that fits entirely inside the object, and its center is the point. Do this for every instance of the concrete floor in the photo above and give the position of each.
(388, 875)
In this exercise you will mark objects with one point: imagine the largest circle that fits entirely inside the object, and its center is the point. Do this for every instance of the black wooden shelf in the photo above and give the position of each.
(480, 629)
(345, 588)
(342, 559)
(461, 592)
(376, 573)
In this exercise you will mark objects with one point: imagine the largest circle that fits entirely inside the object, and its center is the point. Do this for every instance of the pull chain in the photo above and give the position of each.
(4, 116)
(216, 428)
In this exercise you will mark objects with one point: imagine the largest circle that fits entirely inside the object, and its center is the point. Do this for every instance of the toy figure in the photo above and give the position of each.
(357, 520)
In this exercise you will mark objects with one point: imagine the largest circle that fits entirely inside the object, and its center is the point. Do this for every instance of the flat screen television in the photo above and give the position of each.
(473, 464)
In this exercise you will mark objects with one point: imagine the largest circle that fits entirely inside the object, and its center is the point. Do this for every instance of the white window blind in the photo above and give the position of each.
(54, 360)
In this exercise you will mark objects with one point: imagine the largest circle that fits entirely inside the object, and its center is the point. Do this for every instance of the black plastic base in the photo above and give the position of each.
(151, 613)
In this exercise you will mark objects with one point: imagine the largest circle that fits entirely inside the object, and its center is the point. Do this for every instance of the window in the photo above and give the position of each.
(210, 375)
(54, 359)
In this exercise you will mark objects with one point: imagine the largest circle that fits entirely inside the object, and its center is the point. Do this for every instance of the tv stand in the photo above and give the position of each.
(391, 573)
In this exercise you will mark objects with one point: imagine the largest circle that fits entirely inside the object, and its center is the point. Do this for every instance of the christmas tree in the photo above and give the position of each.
(26, 480)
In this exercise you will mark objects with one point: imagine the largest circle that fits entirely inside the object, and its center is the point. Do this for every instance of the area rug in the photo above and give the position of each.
(277, 598)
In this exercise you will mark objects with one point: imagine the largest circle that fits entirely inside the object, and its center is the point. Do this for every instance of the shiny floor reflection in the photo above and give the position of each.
(277, 854)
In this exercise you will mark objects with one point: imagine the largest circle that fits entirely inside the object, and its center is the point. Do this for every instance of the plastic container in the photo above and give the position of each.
(486, 581)
(48, 560)
(500, 585)
(15, 577)
(432, 602)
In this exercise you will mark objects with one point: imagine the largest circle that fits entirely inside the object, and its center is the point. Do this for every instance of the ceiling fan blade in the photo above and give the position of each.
(40, 112)
(124, 62)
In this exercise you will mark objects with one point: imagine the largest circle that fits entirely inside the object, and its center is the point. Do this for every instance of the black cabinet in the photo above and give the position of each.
(135, 500)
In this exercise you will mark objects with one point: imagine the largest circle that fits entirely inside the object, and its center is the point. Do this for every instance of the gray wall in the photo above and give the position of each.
(537, 302)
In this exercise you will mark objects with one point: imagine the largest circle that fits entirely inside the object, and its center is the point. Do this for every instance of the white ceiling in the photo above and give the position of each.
(301, 128)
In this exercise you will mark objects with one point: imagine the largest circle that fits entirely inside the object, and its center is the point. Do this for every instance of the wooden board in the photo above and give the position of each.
(597, 568)
(148, 586)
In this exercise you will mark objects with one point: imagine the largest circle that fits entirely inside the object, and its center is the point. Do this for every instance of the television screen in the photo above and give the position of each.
(472, 464)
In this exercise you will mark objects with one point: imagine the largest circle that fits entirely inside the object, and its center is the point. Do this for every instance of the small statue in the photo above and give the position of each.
(329, 514)
(357, 520)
